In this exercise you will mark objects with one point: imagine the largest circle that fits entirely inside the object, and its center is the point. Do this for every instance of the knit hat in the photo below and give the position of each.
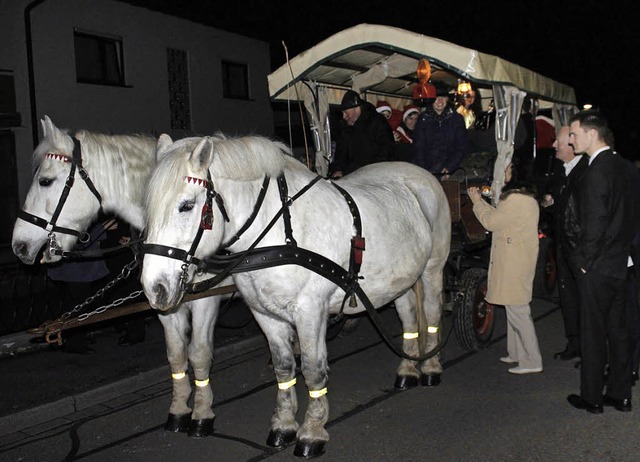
(408, 110)
(382, 106)
(350, 100)
(441, 89)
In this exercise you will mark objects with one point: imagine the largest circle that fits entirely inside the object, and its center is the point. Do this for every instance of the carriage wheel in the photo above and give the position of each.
(475, 317)
(546, 278)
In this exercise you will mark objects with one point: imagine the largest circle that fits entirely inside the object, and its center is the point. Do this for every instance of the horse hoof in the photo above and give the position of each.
(177, 423)
(280, 438)
(201, 428)
(427, 380)
(309, 449)
(404, 382)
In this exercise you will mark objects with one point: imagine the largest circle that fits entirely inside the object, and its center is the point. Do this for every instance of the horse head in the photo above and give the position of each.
(53, 162)
(179, 206)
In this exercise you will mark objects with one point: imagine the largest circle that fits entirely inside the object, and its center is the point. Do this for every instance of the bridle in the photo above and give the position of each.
(206, 223)
(51, 225)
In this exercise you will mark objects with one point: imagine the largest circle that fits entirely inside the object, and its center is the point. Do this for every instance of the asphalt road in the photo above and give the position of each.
(478, 413)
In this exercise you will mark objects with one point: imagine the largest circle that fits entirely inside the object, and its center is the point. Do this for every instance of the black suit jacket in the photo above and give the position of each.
(606, 216)
(563, 188)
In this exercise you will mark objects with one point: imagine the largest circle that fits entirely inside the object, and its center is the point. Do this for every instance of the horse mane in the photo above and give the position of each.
(113, 161)
(245, 158)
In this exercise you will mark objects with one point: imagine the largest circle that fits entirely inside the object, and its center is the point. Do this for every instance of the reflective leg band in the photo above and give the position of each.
(202, 383)
(410, 335)
(178, 375)
(318, 393)
(287, 385)
(432, 329)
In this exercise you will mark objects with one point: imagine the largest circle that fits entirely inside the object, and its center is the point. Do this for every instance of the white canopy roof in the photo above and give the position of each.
(382, 60)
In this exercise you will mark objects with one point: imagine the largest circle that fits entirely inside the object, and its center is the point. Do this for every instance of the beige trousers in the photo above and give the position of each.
(522, 343)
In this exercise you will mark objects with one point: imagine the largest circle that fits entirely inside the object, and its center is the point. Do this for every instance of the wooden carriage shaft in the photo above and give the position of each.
(140, 306)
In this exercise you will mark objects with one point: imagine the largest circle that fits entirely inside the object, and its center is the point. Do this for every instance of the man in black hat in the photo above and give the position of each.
(440, 138)
(365, 136)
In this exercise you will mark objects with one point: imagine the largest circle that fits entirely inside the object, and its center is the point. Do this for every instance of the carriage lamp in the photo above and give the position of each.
(464, 87)
(424, 90)
(423, 71)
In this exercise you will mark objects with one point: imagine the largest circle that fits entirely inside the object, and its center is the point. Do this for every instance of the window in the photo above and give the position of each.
(235, 80)
(99, 59)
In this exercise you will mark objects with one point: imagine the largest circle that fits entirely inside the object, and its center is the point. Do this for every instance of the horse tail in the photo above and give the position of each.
(418, 290)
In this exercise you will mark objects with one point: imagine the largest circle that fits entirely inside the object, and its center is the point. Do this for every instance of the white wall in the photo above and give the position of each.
(142, 106)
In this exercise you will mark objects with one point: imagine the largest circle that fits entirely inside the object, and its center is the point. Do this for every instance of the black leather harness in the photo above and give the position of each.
(254, 258)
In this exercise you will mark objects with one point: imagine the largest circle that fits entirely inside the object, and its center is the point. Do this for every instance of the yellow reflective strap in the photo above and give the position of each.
(410, 335)
(202, 383)
(287, 385)
(432, 329)
(178, 375)
(318, 393)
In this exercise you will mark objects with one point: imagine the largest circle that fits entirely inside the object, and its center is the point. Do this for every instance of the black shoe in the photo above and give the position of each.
(622, 405)
(79, 350)
(127, 339)
(566, 355)
(577, 402)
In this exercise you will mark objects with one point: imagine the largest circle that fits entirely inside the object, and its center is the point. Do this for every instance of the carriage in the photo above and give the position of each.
(381, 63)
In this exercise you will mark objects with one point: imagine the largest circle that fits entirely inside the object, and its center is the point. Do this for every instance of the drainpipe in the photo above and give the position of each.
(30, 70)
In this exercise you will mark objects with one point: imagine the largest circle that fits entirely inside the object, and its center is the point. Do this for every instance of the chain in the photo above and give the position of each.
(125, 273)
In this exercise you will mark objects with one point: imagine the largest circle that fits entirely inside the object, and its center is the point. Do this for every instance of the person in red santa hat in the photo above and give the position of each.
(403, 135)
(393, 116)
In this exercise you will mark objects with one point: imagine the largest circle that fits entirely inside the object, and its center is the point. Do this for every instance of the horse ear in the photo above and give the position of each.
(202, 155)
(47, 127)
(60, 139)
(163, 143)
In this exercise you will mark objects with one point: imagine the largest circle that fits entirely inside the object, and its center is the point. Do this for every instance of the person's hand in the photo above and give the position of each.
(337, 174)
(547, 200)
(474, 194)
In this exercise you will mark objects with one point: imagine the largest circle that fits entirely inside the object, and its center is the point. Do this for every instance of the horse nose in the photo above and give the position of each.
(20, 249)
(158, 296)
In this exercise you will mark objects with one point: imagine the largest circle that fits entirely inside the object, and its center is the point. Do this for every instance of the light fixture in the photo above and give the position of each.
(423, 91)
(587, 106)
(424, 71)
(463, 87)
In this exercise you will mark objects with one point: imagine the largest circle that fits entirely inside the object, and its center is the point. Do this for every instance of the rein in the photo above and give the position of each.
(289, 254)
(51, 226)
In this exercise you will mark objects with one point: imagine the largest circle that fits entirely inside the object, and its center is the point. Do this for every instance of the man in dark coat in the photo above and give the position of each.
(600, 260)
(440, 138)
(365, 136)
(563, 182)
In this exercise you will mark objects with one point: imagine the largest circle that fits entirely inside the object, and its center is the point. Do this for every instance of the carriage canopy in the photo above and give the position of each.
(380, 62)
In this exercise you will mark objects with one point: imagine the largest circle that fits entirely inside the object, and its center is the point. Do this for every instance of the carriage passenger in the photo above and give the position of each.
(365, 137)
(440, 138)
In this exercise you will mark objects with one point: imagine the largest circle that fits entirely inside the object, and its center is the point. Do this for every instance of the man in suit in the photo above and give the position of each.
(563, 182)
(600, 260)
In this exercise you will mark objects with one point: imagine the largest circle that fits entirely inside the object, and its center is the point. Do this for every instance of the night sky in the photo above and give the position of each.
(592, 46)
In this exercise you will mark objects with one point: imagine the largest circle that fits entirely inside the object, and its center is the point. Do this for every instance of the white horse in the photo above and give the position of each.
(405, 219)
(119, 167)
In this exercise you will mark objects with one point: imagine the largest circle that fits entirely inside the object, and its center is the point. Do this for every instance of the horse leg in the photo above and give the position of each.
(311, 326)
(204, 313)
(176, 331)
(432, 280)
(407, 375)
(280, 336)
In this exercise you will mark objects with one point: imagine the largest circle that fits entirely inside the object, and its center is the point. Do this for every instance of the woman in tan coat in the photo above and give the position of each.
(514, 252)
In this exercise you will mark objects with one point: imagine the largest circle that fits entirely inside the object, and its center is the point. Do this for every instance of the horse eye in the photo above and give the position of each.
(186, 206)
(44, 182)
